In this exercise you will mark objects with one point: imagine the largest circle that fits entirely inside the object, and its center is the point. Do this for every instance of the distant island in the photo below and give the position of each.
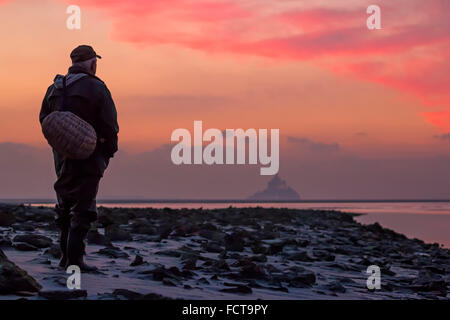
(277, 189)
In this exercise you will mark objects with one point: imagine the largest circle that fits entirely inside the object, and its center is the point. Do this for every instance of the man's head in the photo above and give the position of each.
(85, 57)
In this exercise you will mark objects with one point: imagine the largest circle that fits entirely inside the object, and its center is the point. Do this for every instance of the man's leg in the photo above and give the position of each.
(62, 210)
(83, 213)
(62, 220)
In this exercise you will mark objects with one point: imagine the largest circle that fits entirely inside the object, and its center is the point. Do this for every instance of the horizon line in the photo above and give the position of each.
(143, 200)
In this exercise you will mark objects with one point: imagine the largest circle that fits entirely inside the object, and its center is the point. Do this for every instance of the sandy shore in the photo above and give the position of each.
(233, 253)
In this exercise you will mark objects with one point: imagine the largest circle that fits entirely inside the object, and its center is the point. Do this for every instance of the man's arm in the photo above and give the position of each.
(108, 124)
(45, 108)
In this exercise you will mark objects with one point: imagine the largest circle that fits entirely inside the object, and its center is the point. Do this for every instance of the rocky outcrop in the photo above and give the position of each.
(13, 279)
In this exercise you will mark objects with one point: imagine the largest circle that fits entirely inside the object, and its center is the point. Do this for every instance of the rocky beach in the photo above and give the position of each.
(231, 253)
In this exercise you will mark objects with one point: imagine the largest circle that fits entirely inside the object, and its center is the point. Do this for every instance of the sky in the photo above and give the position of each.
(362, 113)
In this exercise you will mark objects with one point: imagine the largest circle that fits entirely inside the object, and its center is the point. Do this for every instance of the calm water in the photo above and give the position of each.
(428, 221)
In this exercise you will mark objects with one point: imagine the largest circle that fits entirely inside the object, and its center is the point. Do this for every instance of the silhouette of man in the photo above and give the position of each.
(78, 180)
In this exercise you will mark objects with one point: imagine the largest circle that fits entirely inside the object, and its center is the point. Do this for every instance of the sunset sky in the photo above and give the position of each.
(311, 68)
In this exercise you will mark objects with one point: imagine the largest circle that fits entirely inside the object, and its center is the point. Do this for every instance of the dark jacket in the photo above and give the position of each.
(89, 98)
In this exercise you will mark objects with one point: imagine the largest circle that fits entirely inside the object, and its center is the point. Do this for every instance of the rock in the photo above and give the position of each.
(138, 260)
(212, 235)
(203, 281)
(127, 294)
(54, 251)
(428, 282)
(190, 264)
(7, 218)
(234, 243)
(323, 255)
(213, 247)
(300, 256)
(168, 282)
(221, 265)
(169, 253)
(258, 248)
(164, 231)
(23, 226)
(94, 237)
(108, 216)
(161, 273)
(303, 279)
(238, 289)
(142, 226)
(14, 279)
(113, 252)
(259, 258)
(275, 247)
(22, 246)
(5, 242)
(336, 286)
(115, 233)
(252, 270)
(34, 240)
(63, 294)
(131, 295)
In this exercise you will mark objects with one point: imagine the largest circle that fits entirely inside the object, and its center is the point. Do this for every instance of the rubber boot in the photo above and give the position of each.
(63, 236)
(63, 222)
(79, 228)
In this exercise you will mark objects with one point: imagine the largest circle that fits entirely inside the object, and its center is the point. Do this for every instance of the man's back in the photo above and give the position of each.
(89, 98)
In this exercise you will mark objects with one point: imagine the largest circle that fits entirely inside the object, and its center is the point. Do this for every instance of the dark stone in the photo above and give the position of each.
(213, 247)
(300, 256)
(14, 279)
(113, 253)
(7, 218)
(131, 295)
(212, 235)
(138, 260)
(221, 265)
(258, 248)
(253, 270)
(190, 264)
(54, 251)
(169, 253)
(336, 286)
(94, 237)
(259, 258)
(34, 240)
(23, 226)
(164, 232)
(238, 289)
(22, 246)
(5, 242)
(234, 242)
(115, 233)
(142, 226)
(302, 280)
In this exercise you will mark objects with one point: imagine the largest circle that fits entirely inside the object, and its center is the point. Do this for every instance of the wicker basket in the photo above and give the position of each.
(69, 135)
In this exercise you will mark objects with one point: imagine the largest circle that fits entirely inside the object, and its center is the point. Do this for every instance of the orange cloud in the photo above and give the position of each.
(410, 53)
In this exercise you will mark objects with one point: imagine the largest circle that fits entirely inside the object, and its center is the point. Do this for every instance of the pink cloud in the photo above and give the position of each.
(410, 53)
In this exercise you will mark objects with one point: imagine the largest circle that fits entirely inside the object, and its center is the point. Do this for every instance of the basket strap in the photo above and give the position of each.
(64, 100)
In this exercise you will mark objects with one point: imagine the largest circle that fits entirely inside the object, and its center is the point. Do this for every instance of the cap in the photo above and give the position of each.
(83, 53)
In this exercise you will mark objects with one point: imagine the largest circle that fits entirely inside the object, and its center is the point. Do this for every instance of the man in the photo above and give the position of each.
(77, 180)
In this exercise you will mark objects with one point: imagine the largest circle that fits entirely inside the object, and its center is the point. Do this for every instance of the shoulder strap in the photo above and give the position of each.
(64, 100)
